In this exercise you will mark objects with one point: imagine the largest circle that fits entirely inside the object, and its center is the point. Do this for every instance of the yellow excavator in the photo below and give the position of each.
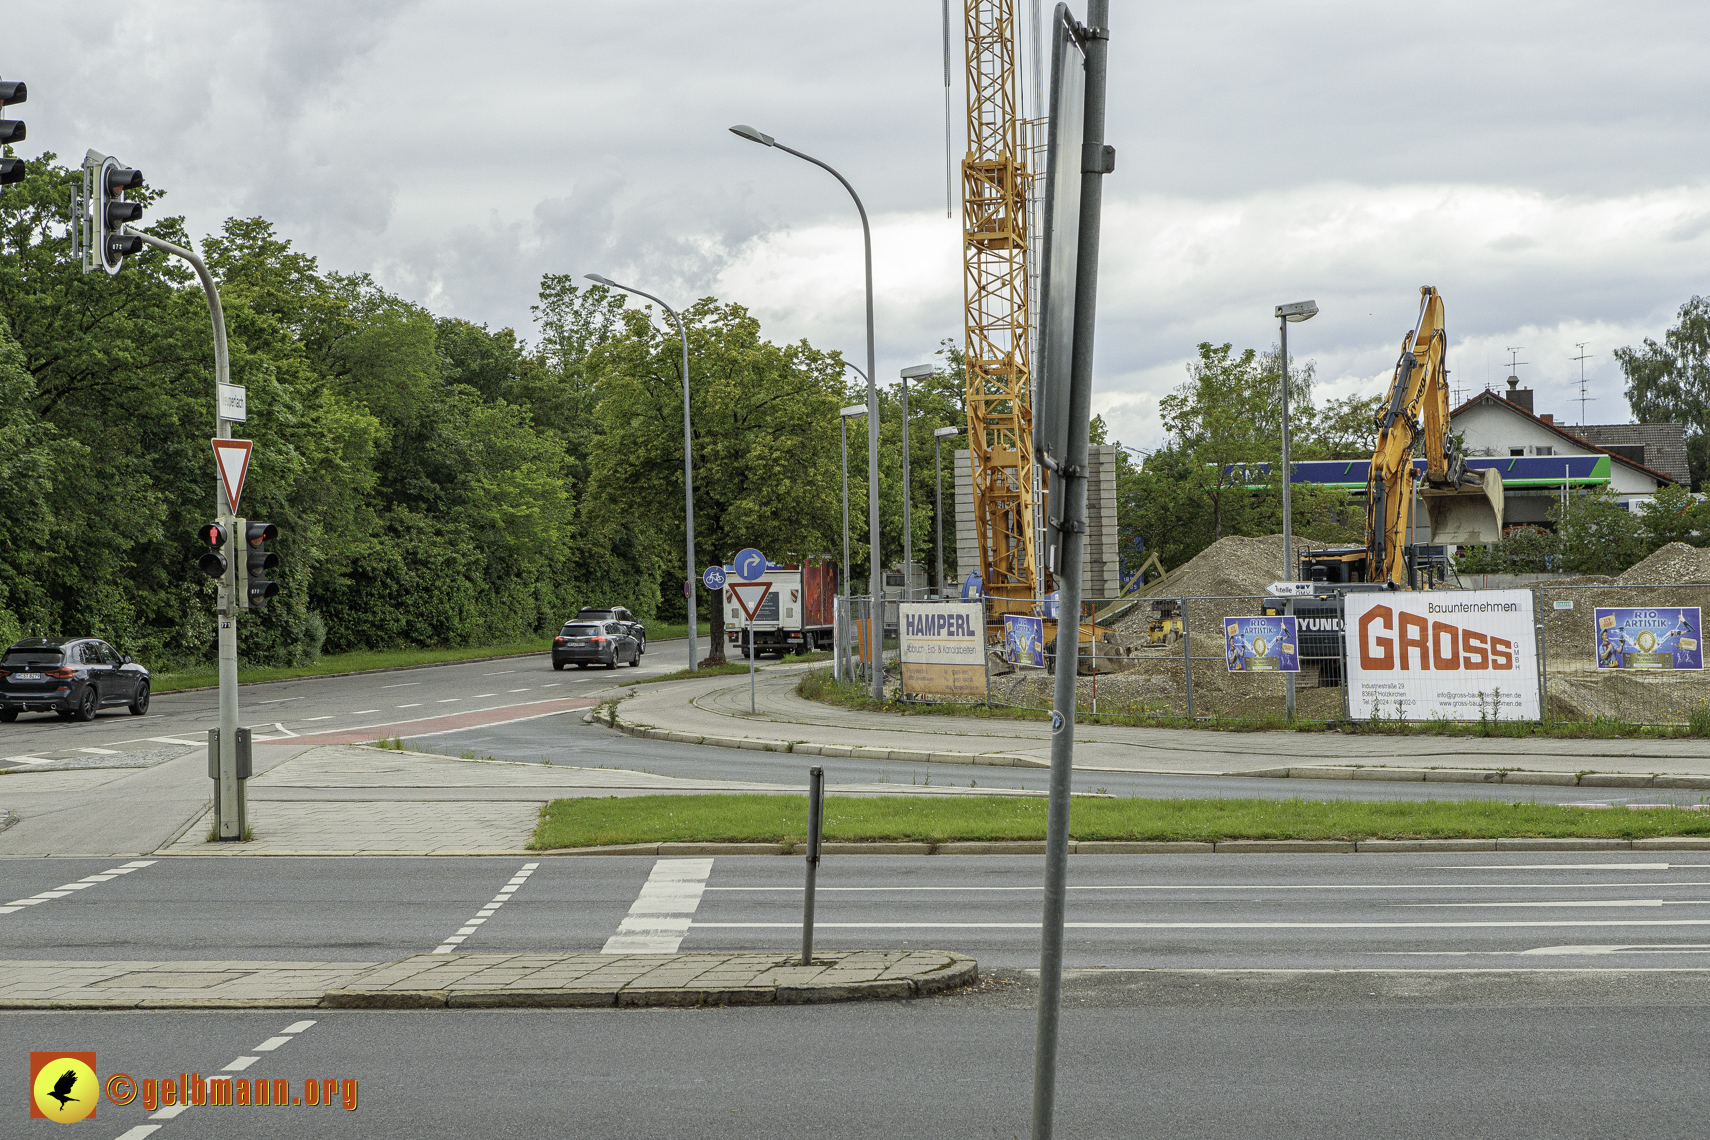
(1464, 507)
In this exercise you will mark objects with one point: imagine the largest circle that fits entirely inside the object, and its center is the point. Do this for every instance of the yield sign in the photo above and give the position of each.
(749, 595)
(231, 456)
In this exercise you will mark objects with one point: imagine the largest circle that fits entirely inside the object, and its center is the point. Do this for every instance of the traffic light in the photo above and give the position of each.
(254, 588)
(112, 213)
(11, 130)
(213, 536)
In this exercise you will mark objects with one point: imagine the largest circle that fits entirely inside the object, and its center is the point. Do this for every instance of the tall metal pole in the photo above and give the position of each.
(875, 587)
(688, 466)
(1072, 536)
(907, 489)
(1287, 513)
(230, 808)
(938, 514)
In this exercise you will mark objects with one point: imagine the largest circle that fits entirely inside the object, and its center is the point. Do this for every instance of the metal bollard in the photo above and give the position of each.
(816, 827)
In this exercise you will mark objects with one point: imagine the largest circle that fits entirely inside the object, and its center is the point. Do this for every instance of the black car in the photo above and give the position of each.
(615, 613)
(75, 677)
(584, 643)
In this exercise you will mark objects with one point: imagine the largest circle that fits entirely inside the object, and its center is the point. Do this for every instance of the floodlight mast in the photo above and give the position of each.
(1292, 313)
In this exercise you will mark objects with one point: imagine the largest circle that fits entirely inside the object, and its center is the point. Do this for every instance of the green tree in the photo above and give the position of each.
(764, 443)
(1597, 533)
(1670, 382)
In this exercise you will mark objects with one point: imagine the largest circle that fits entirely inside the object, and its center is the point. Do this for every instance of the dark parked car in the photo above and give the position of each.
(584, 643)
(615, 613)
(75, 677)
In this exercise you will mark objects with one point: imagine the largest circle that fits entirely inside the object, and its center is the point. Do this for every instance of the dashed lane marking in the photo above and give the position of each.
(285, 1036)
(448, 700)
(312, 719)
(401, 685)
(659, 918)
(417, 705)
(487, 911)
(72, 888)
(364, 712)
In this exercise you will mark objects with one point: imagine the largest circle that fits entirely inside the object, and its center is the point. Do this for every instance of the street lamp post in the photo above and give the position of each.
(915, 372)
(1287, 315)
(688, 463)
(938, 502)
(876, 583)
(843, 425)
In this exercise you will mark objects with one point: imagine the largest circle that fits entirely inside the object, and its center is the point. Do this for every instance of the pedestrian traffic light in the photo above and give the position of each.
(11, 130)
(213, 563)
(112, 213)
(254, 588)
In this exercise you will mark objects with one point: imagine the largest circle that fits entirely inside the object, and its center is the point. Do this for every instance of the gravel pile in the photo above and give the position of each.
(1674, 564)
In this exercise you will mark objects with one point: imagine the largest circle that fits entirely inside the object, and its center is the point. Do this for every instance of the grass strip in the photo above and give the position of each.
(366, 659)
(590, 822)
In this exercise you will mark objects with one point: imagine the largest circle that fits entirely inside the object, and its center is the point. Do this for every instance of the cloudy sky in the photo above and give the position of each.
(1544, 165)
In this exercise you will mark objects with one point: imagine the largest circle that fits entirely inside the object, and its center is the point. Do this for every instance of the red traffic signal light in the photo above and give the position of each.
(213, 536)
(254, 586)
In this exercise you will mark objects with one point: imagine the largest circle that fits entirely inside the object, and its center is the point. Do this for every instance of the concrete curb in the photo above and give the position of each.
(1155, 847)
(1297, 772)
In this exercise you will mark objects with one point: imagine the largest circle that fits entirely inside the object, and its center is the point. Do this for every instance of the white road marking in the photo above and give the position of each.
(99, 751)
(82, 884)
(364, 712)
(271, 1044)
(237, 1066)
(1261, 887)
(1563, 902)
(478, 696)
(417, 705)
(278, 700)
(1210, 925)
(658, 919)
(1560, 866)
(174, 740)
(1554, 951)
(448, 700)
(401, 685)
(516, 690)
(487, 909)
(26, 760)
(500, 673)
(311, 719)
(297, 1027)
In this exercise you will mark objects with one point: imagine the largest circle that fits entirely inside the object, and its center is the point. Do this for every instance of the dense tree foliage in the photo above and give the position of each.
(1670, 382)
(1594, 534)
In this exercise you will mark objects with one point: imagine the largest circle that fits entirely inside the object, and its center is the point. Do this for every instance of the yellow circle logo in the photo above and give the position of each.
(1647, 641)
(1259, 646)
(66, 1090)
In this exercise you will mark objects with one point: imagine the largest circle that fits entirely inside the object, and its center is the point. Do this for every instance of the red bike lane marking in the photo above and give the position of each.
(451, 722)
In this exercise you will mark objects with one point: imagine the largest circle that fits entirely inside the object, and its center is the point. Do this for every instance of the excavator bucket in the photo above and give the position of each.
(1467, 516)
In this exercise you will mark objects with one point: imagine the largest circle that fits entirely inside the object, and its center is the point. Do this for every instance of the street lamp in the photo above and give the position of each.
(938, 509)
(915, 372)
(1291, 314)
(877, 580)
(843, 425)
(688, 461)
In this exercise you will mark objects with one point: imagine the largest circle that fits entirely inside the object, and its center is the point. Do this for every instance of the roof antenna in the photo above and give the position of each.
(1583, 398)
(1514, 364)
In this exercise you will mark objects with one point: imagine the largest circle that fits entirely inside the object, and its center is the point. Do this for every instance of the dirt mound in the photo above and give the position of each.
(1229, 568)
(1674, 564)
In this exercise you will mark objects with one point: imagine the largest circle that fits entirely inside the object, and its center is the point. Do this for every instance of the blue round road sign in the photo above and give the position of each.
(714, 577)
(750, 565)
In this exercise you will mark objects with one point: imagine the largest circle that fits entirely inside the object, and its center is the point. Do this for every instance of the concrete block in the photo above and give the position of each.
(1285, 846)
(613, 849)
(1680, 781)
(1616, 780)
(961, 972)
(1403, 845)
(1000, 847)
(801, 748)
(852, 991)
(834, 750)
(1324, 772)
(1399, 775)
(1461, 776)
(1542, 779)
(1266, 773)
(532, 999)
(952, 757)
(869, 848)
(909, 755)
(1137, 847)
(721, 849)
(1563, 844)
(1673, 843)
(384, 999)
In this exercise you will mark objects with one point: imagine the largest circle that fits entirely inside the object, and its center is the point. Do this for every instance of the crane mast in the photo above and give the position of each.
(995, 186)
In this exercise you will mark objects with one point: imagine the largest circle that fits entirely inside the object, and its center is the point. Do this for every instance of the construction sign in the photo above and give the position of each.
(943, 648)
(1651, 637)
(231, 456)
(1458, 655)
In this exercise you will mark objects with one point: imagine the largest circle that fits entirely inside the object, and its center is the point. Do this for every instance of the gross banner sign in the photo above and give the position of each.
(1024, 640)
(1261, 645)
(943, 648)
(1649, 638)
(1457, 655)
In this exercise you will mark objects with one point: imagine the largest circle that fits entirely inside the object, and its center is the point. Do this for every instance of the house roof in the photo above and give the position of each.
(1488, 396)
(1664, 444)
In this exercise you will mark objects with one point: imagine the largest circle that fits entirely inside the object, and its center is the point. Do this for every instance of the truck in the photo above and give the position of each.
(796, 616)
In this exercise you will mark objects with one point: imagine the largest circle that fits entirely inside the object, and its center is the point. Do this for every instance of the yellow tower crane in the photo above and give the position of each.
(995, 185)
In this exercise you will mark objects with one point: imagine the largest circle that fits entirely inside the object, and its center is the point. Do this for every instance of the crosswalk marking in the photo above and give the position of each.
(658, 919)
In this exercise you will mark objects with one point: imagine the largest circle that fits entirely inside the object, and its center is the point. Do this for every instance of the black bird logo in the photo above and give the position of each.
(63, 1086)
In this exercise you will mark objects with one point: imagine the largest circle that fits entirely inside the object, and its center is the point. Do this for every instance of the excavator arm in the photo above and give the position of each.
(1464, 507)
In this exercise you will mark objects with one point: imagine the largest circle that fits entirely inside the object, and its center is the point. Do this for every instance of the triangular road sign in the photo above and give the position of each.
(231, 456)
(749, 595)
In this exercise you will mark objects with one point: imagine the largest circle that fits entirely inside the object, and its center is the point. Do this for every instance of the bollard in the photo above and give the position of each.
(816, 827)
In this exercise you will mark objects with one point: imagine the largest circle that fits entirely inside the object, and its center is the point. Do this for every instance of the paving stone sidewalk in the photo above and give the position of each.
(486, 981)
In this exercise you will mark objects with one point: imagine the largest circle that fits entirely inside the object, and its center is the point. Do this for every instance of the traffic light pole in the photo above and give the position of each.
(230, 810)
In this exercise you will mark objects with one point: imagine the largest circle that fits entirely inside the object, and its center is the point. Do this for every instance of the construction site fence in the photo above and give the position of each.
(1165, 658)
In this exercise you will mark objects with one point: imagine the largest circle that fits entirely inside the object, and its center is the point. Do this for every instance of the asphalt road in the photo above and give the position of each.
(323, 704)
(1374, 1057)
(1386, 912)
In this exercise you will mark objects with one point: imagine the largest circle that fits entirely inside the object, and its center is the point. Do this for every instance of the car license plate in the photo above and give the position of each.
(28, 677)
